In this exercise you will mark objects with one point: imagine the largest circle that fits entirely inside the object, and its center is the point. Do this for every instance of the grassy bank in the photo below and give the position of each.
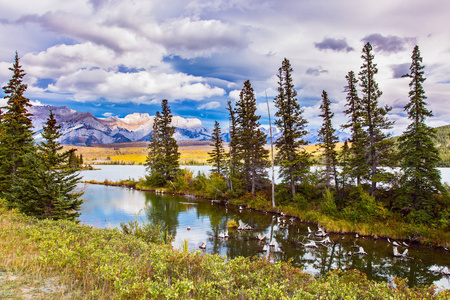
(82, 262)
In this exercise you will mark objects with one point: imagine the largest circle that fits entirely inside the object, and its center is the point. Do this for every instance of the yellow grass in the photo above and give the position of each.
(136, 153)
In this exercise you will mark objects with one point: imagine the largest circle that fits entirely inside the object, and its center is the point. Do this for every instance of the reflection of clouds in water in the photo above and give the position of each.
(197, 234)
(109, 206)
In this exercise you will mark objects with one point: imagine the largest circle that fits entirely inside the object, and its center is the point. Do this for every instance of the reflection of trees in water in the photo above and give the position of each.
(379, 264)
(163, 209)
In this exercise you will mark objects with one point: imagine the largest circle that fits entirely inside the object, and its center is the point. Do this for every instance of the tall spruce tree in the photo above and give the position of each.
(328, 139)
(163, 156)
(16, 138)
(343, 161)
(218, 152)
(417, 153)
(233, 164)
(375, 121)
(293, 160)
(46, 186)
(356, 168)
(251, 140)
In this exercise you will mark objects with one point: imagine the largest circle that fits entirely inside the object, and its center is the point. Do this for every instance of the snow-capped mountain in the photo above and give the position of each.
(84, 129)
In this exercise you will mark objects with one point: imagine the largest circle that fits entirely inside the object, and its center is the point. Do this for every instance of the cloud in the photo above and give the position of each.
(234, 94)
(193, 38)
(209, 106)
(139, 87)
(36, 103)
(390, 43)
(400, 70)
(338, 45)
(107, 114)
(316, 71)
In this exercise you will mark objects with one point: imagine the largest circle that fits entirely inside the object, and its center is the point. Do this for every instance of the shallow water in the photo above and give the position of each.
(108, 206)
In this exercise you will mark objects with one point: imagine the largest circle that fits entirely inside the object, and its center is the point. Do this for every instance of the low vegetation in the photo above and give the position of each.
(74, 261)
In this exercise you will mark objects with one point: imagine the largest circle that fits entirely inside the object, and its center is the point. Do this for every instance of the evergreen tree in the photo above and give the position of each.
(16, 138)
(163, 156)
(344, 159)
(232, 145)
(218, 152)
(250, 140)
(293, 160)
(417, 153)
(357, 168)
(328, 140)
(374, 119)
(46, 186)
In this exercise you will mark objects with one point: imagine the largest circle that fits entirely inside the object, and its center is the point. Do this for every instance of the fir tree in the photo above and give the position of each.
(163, 156)
(344, 159)
(293, 160)
(417, 153)
(374, 119)
(46, 187)
(357, 168)
(16, 138)
(232, 162)
(251, 140)
(218, 152)
(328, 140)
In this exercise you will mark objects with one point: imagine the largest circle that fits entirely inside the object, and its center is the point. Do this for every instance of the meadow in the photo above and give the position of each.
(192, 152)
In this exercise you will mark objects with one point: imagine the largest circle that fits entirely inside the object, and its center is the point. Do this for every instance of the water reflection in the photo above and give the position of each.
(108, 206)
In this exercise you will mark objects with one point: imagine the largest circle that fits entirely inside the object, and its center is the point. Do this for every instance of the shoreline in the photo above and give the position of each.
(428, 236)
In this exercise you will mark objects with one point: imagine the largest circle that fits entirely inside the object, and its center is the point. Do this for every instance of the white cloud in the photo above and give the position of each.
(139, 87)
(36, 103)
(107, 114)
(209, 106)
(234, 94)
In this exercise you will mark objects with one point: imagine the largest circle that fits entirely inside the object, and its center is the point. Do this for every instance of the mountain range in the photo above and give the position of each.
(84, 129)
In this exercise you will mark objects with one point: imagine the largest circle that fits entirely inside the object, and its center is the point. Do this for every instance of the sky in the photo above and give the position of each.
(113, 58)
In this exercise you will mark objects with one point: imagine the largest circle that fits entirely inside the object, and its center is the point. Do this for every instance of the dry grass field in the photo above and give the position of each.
(192, 152)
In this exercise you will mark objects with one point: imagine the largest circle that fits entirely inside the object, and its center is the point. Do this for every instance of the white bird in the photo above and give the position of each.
(265, 248)
(361, 251)
(309, 230)
(396, 244)
(356, 236)
(405, 244)
(203, 245)
(445, 271)
(272, 243)
(389, 241)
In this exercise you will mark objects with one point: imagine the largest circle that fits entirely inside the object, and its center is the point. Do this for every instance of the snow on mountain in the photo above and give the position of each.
(84, 129)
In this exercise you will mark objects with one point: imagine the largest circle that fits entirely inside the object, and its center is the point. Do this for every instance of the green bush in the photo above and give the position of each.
(328, 204)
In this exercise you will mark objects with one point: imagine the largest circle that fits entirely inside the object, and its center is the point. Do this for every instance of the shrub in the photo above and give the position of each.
(328, 205)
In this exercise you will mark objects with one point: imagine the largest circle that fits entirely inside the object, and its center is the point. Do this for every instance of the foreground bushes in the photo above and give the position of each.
(107, 264)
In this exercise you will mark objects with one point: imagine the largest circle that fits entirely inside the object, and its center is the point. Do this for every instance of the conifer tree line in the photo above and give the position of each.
(37, 179)
(359, 166)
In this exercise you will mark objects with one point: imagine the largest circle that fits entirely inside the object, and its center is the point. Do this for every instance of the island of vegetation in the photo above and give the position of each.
(355, 191)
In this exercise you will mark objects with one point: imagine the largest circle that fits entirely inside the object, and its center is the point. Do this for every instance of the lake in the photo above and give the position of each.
(108, 206)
